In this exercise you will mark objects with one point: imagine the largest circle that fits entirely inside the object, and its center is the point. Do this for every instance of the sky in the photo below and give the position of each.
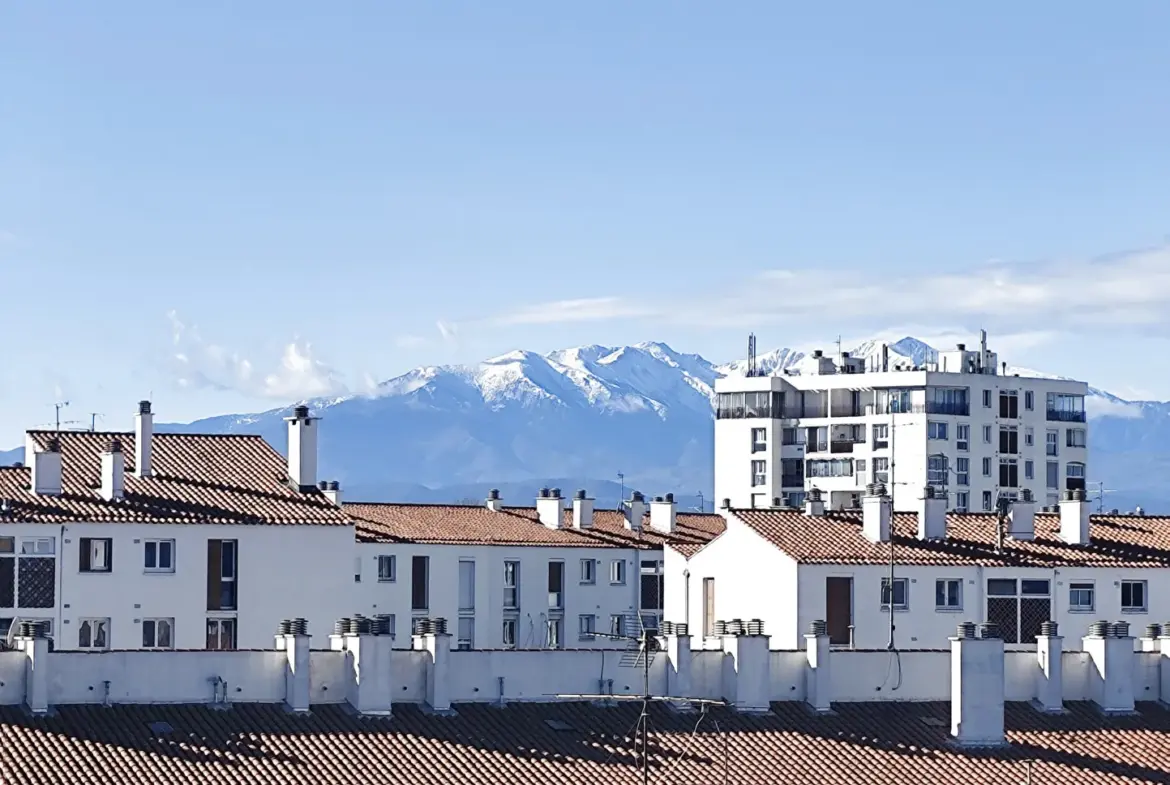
(229, 206)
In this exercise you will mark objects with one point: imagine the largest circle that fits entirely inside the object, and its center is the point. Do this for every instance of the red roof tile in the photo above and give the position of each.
(464, 524)
(836, 538)
(195, 479)
(890, 743)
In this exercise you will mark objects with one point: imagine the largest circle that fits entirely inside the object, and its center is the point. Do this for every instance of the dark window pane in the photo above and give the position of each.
(1033, 612)
(1001, 587)
(7, 583)
(37, 584)
(1034, 587)
(1003, 611)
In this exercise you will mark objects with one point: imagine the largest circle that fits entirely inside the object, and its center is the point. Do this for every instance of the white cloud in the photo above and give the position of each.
(1097, 406)
(197, 363)
(449, 331)
(409, 341)
(590, 309)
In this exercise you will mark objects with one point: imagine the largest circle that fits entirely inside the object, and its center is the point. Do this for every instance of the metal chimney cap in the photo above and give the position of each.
(144, 407)
(494, 493)
(962, 347)
(323, 485)
(542, 493)
(555, 493)
(580, 494)
(115, 445)
(301, 412)
(726, 504)
(637, 496)
(669, 497)
(334, 485)
(53, 444)
(659, 499)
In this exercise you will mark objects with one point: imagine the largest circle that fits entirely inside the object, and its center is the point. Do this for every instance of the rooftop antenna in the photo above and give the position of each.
(702, 501)
(93, 418)
(840, 354)
(622, 497)
(752, 369)
(640, 650)
(59, 406)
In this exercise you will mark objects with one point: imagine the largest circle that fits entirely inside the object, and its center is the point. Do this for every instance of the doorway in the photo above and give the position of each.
(839, 609)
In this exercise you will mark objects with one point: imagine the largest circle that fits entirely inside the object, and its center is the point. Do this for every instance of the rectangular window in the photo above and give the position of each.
(93, 634)
(881, 469)
(158, 555)
(651, 588)
(420, 580)
(1066, 408)
(617, 624)
(509, 634)
(829, 467)
(1009, 473)
(900, 594)
(465, 640)
(759, 473)
(221, 634)
(589, 571)
(881, 437)
(708, 607)
(1029, 437)
(788, 436)
(555, 636)
(1075, 437)
(37, 546)
(986, 467)
(97, 554)
(387, 569)
(937, 471)
(987, 434)
(1018, 607)
(948, 594)
(1029, 400)
(617, 571)
(1074, 476)
(1009, 405)
(466, 586)
(1052, 443)
(962, 501)
(221, 575)
(1009, 440)
(963, 437)
(1134, 597)
(556, 585)
(586, 626)
(1053, 472)
(936, 430)
(158, 633)
(7, 545)
(987, 399)
(963, 471)
(759, 440)
(1081, 596)
(987, 501)
(512, 585)
(1029, 471)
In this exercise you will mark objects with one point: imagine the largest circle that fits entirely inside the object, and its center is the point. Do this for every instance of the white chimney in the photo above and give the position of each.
(1022, 517)
(331, 490)
(977, 686)
(876, 511)
(113, 471)
(302, 448)
(751, 667)
(1110, 649)
(582, 511)
(369, 682)
(1049, 678)
(550, 508)
(818, 678)
(296, 674)
(932, 515)
(46, 469)
(494, 502)
(1074, 518)
(813, 505)
(143, 436)
(635, 510)
(663, 514)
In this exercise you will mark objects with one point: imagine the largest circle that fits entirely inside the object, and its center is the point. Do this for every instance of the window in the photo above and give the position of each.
(987, 399)
(986, 467)
(759, 440)
(1009, 404)
(7, 545)
(1052, 443)
(1009, 473)
(963, 471)
(881, 437)
(987, 434)
(650, 597)
(963, 437)
(1074, 474)
(759, 473)
(1029, 400)
(1075, 437)
(788, 435)
(900, 594)
(420, 582)
(708, 607)
(1009, 440)
(37, 546)
(158, 555)
(586, 626)
(617, 571)
(509, 633)
(93, 634)
(948, 594)
(556, 585)
(936, 430)
(881, 469)
(1066, 408)
(738, 406)
(962, 501)
(1053, 471)
(221, 634)
(937, 472)
(158, 633)
(387, 569)
(1029, 471)
(466, 586)
(987, 501)
(829, 467)
(617, 624)
(1133, 597)
(1019, 607)
(221, 576)
(96, 554)
(1081, 596)
(1029, 437)
(465, 641)
(589, 571)
(554, 638)
(512, 584)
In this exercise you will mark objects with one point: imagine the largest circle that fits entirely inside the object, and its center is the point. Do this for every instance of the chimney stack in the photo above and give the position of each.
(663, 514)
(550, 508)
(494, 502)
(113, 471)
(582, 510)
(635, 510)
(1074, 518)
(819, 680)
(1049, 678)
(876, 512)
(432, 638)
(977, 686)
(46, 469)
(1110, 649)
(296, 674)
(31, 639)
(751, 666)
(813, 505)
(368, 645)
(331, 490)
(302, 449)
(1022, 517)
(143, 438)
(932, 515)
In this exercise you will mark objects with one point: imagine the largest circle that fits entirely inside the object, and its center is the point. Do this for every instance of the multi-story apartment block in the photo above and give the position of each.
(547, 576)
(169, 540)
(956, 423)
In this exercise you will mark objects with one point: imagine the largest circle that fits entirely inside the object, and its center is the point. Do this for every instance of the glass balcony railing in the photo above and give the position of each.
(1061, 415)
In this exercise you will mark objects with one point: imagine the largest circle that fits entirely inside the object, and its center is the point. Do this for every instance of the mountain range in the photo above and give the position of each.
(606, 419)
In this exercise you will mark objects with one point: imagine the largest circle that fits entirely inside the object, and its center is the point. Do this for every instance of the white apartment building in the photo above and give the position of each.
(957, 424)
(547, 576)
(159, 540)
(790, 567)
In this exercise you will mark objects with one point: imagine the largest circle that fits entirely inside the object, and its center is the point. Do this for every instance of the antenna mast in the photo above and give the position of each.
(59, 406)
(752, 369)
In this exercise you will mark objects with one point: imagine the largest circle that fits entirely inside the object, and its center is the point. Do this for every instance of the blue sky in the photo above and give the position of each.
(225, 206)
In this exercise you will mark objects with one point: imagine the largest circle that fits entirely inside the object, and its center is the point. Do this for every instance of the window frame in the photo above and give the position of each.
(88, 549)
(511, 584)
(508, 632)
(93, 621)
(1076, 438)
(761, 444)
(963, 437)
(937, 431)
(1131, 608)
(884, 587)
(390, 575)
(587, 627)
(759, 473)
(1088, 586)
(588, 572)
(945, 584)
(617, 572)
(158, 551)
(155, 622)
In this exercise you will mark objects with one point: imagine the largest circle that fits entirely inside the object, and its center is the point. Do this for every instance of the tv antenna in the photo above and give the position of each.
(93, 418)
(752, 369)
(702, 501)
(58, 407)
(640, 650)
(622, 497)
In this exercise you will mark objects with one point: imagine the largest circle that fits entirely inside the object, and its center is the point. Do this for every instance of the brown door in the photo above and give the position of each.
(839, 609)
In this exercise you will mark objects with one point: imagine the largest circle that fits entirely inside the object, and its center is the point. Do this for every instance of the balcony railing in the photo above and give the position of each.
(844, 445)
(899, 408)
(848, 411)
(791, 481)
(1059, 415)
(813, 447)
(949, 408)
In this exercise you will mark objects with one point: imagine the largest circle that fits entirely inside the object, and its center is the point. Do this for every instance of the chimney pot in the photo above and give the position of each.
(302, 449)
(726, 504)
(323, 485)
(494, 502)
(582, 511)
(144, 407)
(670, 497)
(637, 496)
(114, 446)
(542, 493)
(113, 472)
(301, 412)
(635, 511)
(962, 347)
(550, 508)
(580, 493)
(143, 439)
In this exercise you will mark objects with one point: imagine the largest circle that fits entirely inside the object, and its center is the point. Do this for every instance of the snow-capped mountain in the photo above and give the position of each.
(635, 415)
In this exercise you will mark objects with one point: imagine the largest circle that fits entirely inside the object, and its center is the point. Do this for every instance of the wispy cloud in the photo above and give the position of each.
(1097, 406)
(409, 341)
(448, 331)
(199, 364)
(590, 309)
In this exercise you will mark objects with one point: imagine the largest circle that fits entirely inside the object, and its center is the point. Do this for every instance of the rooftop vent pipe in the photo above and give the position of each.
(143, 439)
(113, 471)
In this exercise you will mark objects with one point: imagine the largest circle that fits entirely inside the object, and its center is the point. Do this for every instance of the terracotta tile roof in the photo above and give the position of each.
(836, 538)
(451, 523)
(891, 743)
(195, 479)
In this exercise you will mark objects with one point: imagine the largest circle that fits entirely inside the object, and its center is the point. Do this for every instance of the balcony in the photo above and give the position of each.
(948, 408)
(844, 445)
(1060, 415)
(899, 408)
(814, 447)
(791, 481)
(848, 410)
